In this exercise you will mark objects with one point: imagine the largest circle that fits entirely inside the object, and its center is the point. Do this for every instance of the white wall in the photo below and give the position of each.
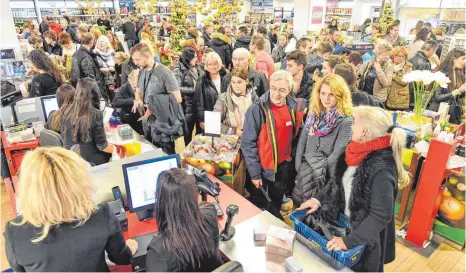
(301, 17)
(8, 33)
(362, 9)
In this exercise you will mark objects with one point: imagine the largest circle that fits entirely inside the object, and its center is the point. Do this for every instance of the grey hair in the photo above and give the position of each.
(283, 75)
(430, 44)
(241, 50)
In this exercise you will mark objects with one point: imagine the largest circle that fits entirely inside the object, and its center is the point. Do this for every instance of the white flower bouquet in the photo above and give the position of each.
(421, 81)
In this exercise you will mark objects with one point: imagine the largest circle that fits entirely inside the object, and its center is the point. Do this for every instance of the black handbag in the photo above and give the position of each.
(325, 227)
(270, 207)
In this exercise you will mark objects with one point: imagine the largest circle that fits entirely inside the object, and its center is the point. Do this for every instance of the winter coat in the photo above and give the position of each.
(273, 38)
(278, 53)
(316, 159)
(362, 98)
(106, 60)
(129, 29)
(305, 88)
(84, 64)
(243, 42)
(398, 96)
(314, 62)
(221, 45)
(258, 142)
(225, 105)
(124, 99)
(126, 68)
(72, 32)
(187, 78)
(257, 80)
(383, 80)
(420, 61)
(205, 94)
(371, 205)
(206, 37)
(445, 95)
(55, 49)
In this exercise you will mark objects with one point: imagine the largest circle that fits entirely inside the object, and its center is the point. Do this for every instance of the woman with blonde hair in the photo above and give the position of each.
(61, 228)
(376, 74)
(116, 44)
(324, 137)
(364, 188)
(147, 34)
(96, 32)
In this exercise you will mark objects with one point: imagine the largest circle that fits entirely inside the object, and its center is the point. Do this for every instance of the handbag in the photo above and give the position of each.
(270, 207)
(326, 227)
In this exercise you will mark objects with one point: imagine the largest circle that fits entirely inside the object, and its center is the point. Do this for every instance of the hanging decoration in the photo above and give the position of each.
(387, 16)
(180, 11)
(91, 7)
(146, 6)
(219, 10)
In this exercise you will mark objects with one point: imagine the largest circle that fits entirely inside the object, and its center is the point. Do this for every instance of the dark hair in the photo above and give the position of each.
(446, 66)
(430, 44)
(64, 38)
(422, 35)
(86, 38)
(346, 71)
(43, 62)
(180, 221)
(427, 24)
(367, 21)
(51, 35)
(302, 42)
(355, 58)
(298, 57)
(325, 48)
(262, 30)
(142, 49)
(65, 97)
(79, 113)
(333, 60)
(187, 56)
(393, 24)
(35, 40)
(333, 30)
(221, 30)
(243, 30)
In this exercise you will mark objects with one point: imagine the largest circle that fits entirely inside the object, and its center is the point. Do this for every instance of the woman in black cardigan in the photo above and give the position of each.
(364, 188)
(188, 237)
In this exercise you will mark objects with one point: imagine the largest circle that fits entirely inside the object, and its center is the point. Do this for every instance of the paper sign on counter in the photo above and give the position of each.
(212, 123)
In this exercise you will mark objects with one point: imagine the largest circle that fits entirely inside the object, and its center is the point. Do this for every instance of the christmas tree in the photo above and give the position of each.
(180, 11)
(386, 17)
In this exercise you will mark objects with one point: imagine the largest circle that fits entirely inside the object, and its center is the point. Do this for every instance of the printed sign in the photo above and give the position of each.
(317, 14)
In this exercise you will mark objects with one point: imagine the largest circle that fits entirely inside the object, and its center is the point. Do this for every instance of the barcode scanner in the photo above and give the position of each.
(229, 231)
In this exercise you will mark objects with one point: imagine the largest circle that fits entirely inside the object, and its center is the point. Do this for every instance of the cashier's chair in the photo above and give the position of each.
(232, 266)
(49, 138)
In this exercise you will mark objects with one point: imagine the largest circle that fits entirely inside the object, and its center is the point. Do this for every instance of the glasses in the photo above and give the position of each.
(238, 59)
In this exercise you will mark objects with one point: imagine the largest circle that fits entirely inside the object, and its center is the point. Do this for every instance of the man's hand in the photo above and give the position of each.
(136, 104)
(257, 182)
(133, 245)
(336, 244)
(310, 204)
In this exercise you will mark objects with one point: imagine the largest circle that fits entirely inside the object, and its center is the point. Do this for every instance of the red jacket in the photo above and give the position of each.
(258, 142)
(56, 27)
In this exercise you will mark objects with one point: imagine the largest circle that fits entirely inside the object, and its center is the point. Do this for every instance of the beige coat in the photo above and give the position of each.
(398, 97)
(384, 78)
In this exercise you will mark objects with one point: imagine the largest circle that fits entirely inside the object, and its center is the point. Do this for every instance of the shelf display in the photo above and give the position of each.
(343, 14)
(261, 7)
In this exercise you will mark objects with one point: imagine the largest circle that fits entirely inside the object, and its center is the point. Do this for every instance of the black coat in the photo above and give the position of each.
(420, 61)
(243, 42)
(206, 37)
(445, 95)
(187, 79)
(126, 68)
(305, 88)
(84, 64)
(124, 99)
(129, 29)
(371, 206)
(221, 45)
(72, 32)
(257, 80)
(363, 98)
(55, 49)
(273, 38)
(205, 94)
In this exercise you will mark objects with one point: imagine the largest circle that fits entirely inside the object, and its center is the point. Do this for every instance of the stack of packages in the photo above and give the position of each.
(279, 244)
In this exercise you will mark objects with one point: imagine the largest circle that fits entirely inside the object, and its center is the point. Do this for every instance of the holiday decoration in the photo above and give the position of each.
(90, 6)
(180, 11)
(387, 17)
(146, 6)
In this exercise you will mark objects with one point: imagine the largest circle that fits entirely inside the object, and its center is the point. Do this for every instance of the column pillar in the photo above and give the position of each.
(301, 17)
(7, 26)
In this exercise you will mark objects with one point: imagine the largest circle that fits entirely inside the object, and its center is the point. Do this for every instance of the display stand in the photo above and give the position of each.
(429, 193)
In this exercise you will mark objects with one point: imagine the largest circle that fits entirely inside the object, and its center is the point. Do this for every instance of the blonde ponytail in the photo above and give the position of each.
(398, 142)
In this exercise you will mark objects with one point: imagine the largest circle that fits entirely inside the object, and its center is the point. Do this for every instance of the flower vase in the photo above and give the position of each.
(418, 111)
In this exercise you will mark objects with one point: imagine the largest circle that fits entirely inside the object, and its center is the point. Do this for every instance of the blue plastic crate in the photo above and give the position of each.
(349, 258)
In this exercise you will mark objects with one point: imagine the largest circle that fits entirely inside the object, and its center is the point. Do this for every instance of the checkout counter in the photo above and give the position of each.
(240, 248)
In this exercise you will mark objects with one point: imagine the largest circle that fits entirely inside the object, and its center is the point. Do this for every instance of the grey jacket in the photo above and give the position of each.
(316, 158)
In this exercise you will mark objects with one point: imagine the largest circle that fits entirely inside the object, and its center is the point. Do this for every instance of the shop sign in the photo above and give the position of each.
(453, 15)
(317, 15)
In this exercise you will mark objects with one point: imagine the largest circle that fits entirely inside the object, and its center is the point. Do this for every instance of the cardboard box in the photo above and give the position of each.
(280, 241)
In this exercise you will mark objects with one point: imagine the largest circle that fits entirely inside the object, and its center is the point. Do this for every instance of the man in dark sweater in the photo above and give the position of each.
(244, 39)
(124, 99)
(129, 29)
(102, 21)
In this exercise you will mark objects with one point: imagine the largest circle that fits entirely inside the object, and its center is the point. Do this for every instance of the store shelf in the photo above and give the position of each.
(23, 17)
(339, 14)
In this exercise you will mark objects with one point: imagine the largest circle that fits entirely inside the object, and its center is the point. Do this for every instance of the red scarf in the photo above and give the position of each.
(356, 152)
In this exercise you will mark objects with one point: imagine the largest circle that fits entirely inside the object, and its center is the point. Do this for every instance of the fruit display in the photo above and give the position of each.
(220, 158)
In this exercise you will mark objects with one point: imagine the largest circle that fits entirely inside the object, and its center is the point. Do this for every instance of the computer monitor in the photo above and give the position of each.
(141, 183)
(49, 104)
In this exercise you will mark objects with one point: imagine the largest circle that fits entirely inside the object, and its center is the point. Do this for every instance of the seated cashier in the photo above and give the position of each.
(61, 228)
(83, 124)
(364, 188)
(234, 103)
(188, 237)
(47, 76)
(65, 97)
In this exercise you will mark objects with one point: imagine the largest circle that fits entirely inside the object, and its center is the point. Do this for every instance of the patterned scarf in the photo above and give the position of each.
(322, 124)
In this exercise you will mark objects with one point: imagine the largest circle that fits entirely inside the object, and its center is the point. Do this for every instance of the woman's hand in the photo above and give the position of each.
(202, 124)
(462, 88)
(310, 204)
(136, 104)
(336, 244)
(257, 182)
(377, 66)
(104, 70)
(133, 245)
(239, 132)
(111, 69)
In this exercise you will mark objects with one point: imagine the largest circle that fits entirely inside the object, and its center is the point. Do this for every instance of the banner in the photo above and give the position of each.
(317, 14)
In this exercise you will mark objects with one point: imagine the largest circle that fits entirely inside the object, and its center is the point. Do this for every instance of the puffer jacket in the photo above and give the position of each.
(187, 78)
(383, 81)
(221, 44)
(243, 42)
(225, 104)
(258, 142)
(398, 96)
(316, 159)
(257, 80)
(205, 94)
(84, 64)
